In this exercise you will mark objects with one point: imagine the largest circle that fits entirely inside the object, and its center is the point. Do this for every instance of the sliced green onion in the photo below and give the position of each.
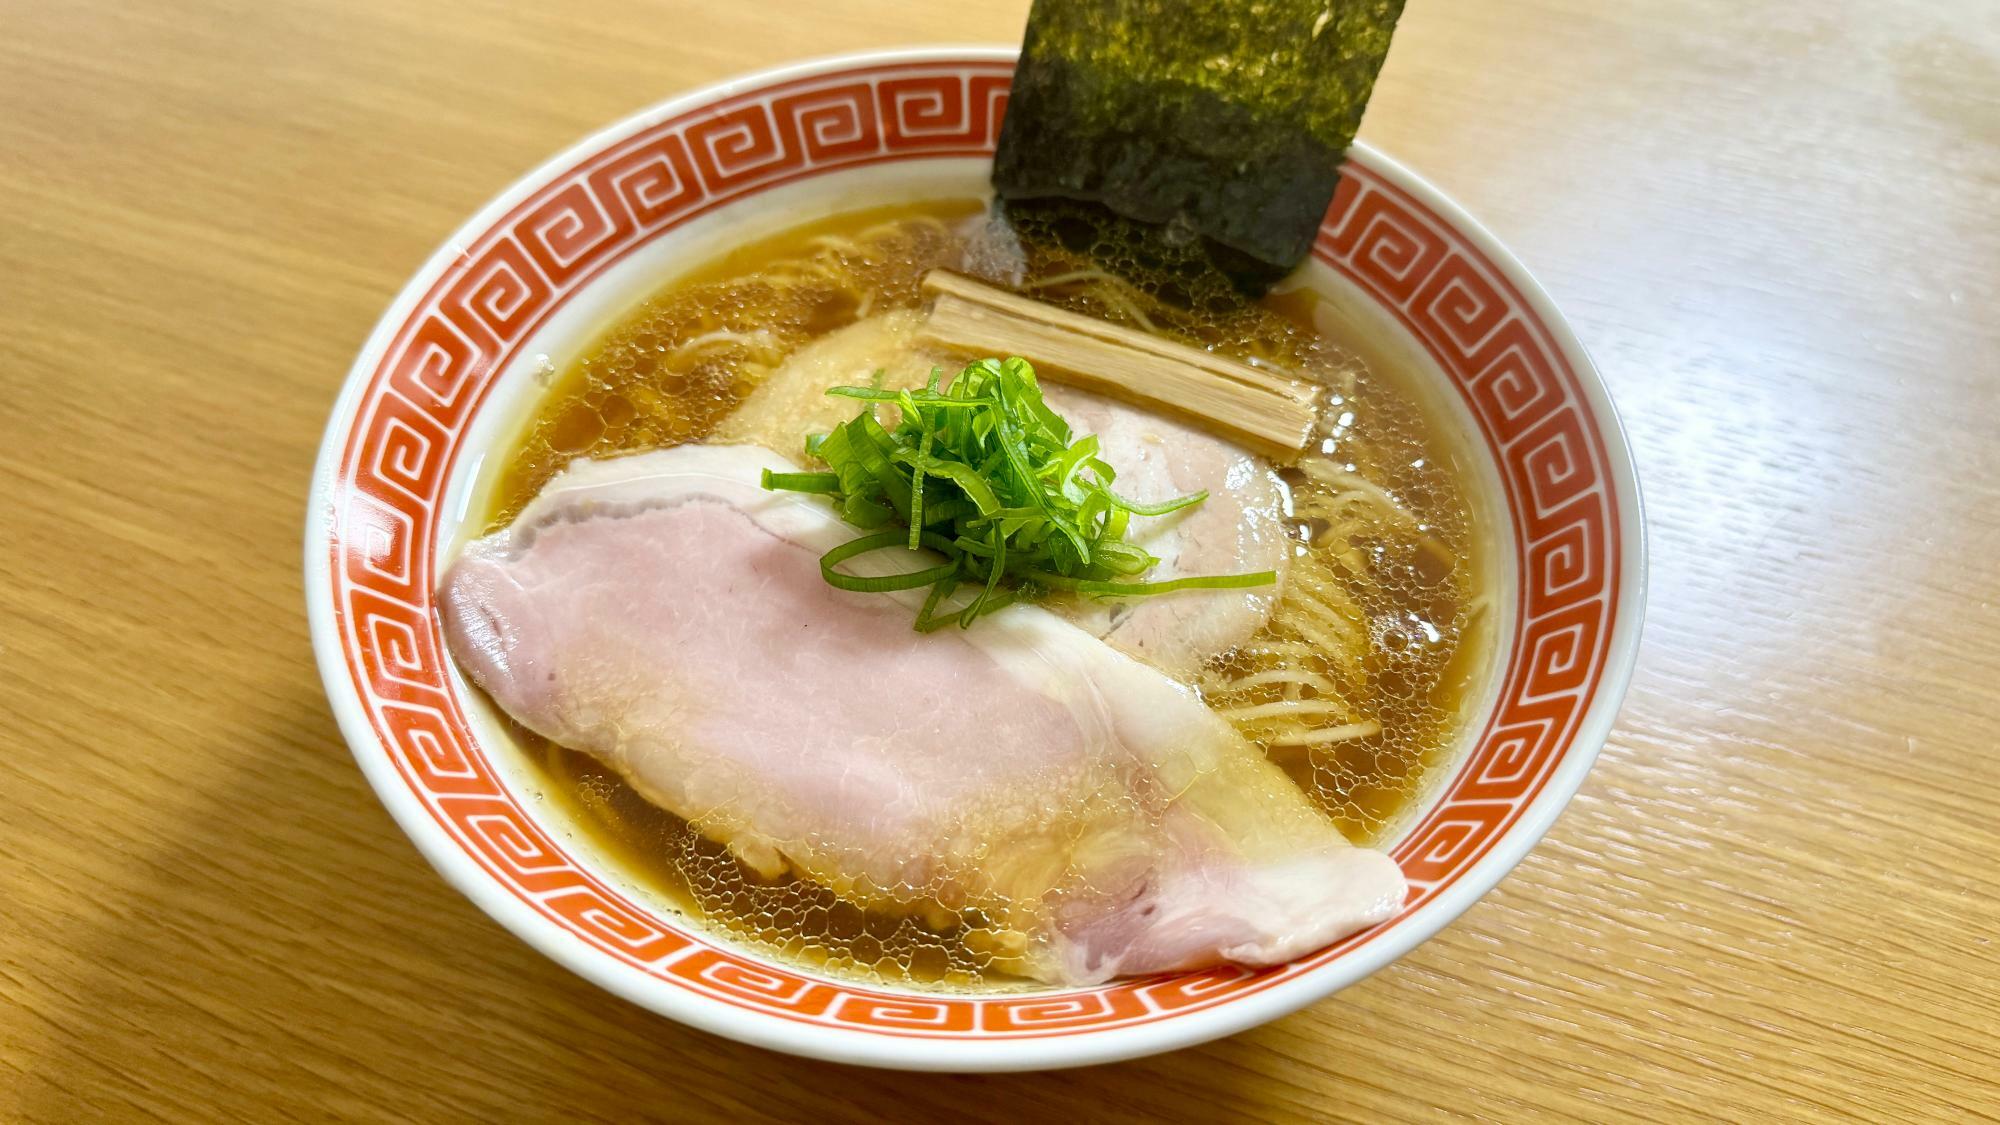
(1162, 508)
(908, 580)
(980, 470)
(802, 482)
(1165, 586)
(926, 621)
(917, 485)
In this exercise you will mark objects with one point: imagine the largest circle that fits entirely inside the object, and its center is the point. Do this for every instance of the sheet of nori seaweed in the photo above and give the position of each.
(1226, 120)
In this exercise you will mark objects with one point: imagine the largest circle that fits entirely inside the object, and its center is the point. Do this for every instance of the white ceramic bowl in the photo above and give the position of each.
(454, 362)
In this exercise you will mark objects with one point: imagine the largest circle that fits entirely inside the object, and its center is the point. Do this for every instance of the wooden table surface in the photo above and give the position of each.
(1777, 226)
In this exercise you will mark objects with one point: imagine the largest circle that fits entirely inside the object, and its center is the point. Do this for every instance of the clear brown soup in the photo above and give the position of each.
(1380, 632)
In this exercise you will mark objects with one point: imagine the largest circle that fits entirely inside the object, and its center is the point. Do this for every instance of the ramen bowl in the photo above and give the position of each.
(446, 377)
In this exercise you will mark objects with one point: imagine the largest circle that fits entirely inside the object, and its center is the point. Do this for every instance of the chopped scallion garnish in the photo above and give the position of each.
(980, 471)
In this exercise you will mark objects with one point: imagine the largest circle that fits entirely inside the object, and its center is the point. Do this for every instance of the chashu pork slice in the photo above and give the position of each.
(666, 614)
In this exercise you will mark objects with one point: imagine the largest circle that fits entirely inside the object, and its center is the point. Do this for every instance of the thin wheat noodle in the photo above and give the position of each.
(1332, 620)
(1285, 707)
(1286, 676)
(1324, 735)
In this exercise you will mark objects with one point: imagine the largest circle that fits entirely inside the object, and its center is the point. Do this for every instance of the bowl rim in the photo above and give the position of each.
(848, 1045)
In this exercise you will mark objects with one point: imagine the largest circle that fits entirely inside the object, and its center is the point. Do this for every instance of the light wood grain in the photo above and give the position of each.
(1777, 227)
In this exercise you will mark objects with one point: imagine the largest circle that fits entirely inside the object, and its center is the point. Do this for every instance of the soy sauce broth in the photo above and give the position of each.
(1387, 551)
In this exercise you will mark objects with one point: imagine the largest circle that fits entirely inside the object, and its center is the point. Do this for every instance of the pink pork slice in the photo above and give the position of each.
(666, 614)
